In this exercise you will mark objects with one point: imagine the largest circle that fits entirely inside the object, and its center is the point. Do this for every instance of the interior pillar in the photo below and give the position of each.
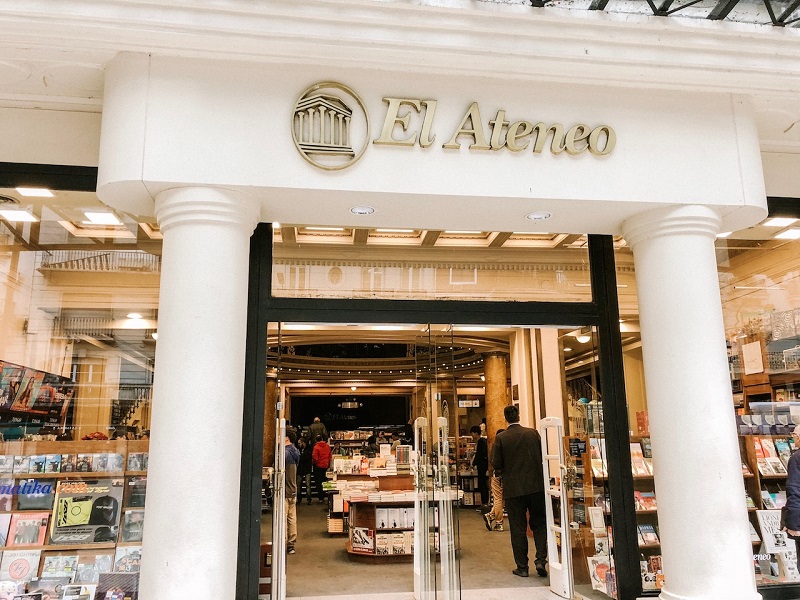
(496, 395)
(196, 429)
(703, 523)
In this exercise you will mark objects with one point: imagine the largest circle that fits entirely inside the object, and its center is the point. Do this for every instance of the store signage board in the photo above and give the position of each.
(330, 128)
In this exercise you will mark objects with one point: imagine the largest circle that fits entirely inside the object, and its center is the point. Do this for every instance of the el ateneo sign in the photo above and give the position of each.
(331, 129)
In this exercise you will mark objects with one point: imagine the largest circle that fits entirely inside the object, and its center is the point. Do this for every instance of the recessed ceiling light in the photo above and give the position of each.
(461, 232)
(583, 338)
(154, 335)
(539, 215)
(724, 234)
(353, 388)
(362, 210)
(134, 315)
(567, 349)
(778, 222)
(394, 231)
(101, 218)
(789, 234)
(276, 225)
(324, 228)
(35, 192)
(18, 216)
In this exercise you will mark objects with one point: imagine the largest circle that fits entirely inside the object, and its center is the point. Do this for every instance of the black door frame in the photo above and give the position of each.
(602, 312)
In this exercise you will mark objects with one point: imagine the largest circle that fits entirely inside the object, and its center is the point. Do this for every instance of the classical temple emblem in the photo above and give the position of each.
(330, 126)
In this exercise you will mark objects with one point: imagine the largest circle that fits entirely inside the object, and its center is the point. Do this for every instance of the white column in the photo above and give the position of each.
(192, 508)
(702, 516)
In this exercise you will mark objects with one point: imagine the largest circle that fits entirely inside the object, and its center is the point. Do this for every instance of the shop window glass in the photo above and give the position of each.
(78, 325)
(326, 262)
(759, 274)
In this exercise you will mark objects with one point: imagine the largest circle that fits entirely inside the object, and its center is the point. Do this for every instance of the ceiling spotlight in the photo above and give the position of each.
(483, 377)
(353, 388)
(101, 218)
(276, 225)
(583, 338)
(362, 210)
(567, 349)
(154, 335)
(134, 315)
(539, 215)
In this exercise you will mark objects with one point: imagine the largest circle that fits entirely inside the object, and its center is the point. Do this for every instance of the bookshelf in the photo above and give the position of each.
(101, 483)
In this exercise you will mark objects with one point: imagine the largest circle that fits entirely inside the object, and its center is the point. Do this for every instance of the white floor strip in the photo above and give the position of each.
(532, 593)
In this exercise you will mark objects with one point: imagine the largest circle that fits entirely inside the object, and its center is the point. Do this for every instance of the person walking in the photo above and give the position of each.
(317, 428)
(304, 469)
(791, 511)
(517, 456)
(321, 460)
(290, 502)
(494, 518)
(480, 461)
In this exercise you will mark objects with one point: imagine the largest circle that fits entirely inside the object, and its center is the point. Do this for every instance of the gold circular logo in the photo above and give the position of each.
(330, 126)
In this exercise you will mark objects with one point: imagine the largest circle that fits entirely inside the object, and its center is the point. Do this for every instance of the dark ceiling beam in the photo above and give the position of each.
(788, 12)
(289, 235)
(722, 9)
(682, 6)
(598, 5)
(499, 238)
(429, 239)
(360, 236)
(771, 12)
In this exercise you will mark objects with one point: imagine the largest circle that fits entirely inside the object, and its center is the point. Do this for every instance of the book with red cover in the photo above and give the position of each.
(28, 529)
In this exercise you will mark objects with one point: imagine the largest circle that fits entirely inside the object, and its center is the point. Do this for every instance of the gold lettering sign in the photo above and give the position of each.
(516, 136)
(330, 127)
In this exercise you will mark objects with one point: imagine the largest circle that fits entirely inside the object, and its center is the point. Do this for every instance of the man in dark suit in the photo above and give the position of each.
(481, 463)
(517, 455)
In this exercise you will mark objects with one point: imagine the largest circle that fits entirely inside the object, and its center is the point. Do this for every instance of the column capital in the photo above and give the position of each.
(183, 205)
(497, 353)
(672, 220)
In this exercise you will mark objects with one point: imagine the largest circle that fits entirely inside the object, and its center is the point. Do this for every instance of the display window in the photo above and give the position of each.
(78, 327)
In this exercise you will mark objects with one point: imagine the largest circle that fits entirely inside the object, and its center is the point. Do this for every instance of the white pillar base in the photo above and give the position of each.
(702, 515)
(192, 507)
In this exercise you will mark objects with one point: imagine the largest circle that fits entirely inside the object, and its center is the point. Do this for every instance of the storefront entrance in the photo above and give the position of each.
(419, 388)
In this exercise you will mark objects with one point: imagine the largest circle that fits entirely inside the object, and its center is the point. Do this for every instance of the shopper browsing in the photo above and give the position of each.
(321, 459)
(791, 512)
(481, 464)
(317, 428)
(494, 518)
(292, 460)
(517, 456)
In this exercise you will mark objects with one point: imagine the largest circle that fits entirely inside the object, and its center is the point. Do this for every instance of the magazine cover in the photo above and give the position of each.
(118, 586)
(363, 540)
(599, 567)
(87, 511)
(133, 525)
(79, 592)
(50, 588)
(60, 566)
(33, 398)
(35, 494)
(9, 589)
(19, 565)
(775, 540)
(28, 529)
(128, 559)
(136, 490)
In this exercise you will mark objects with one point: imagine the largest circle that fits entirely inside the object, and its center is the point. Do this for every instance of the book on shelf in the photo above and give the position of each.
(767, 500)
(597, 521)
(362, 540)
(87, 511)
(638, 466)
(382, 544)
(128, 559)
(5, 521)
(599, 567)
(601, 546)
(28, 596)
(118, 586)
(27, 529)
(783, 450)
(22, 464)
(52, 463)
(597, 448)
(787, 562)
(84, 463)
(749, 501)
(649, 501)
(599, 468)
(776, 465)
(745, 469)
(638, 500)
(647, 447)
(132, 525)
(80, 591)
(754, 537)
(774, 538)
(649, 534)
(768, 447)
(37, 463)
(69, 463)
(19, 565)
(758, 448)
(35, 494)
(398, 543)
(6, 463)
(6, 494)
(51, 587)
(763, 466)
(100, 463)
(60, 566)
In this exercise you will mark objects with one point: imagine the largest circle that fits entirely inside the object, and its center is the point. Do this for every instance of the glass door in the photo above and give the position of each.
(437, 562)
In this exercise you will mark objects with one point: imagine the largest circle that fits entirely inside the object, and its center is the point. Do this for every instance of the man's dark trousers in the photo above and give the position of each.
(521, 511)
